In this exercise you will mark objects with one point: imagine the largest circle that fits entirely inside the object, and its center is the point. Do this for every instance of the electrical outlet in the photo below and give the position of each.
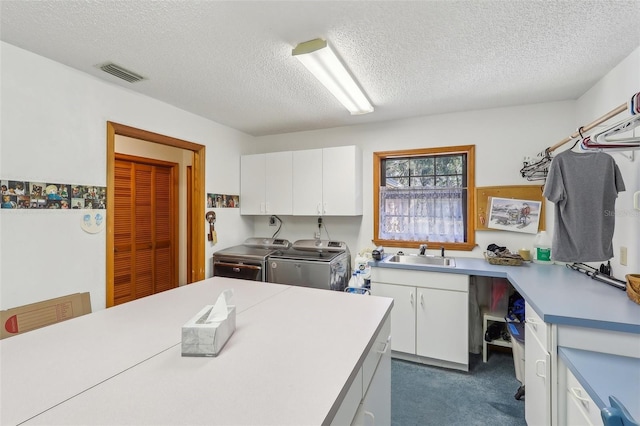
(272, 221)
(623, 256)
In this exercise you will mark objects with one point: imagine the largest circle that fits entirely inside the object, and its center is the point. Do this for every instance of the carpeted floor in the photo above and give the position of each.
(424, 395)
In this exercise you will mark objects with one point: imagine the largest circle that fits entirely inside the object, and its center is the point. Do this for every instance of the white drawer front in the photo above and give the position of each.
(579, 401)
(350, 403)
(381, 345)
(424, 279)
(537, 326)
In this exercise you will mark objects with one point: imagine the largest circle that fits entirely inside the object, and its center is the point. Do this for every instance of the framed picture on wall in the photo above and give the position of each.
(509, 214)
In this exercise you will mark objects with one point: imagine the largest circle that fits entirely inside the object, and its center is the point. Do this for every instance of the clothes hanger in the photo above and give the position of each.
(578, 140)
(634, 104)
(589, 145)
(537, 170)
(604, 136)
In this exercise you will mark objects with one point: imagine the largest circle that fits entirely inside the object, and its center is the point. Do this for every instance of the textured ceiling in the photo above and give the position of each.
(230, 61)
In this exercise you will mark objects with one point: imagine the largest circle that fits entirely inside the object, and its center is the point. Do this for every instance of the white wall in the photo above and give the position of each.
(503, 137)
(54, 130)
(610, 92)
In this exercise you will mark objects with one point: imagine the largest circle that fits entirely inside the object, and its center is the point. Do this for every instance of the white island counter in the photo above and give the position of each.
(294, 357)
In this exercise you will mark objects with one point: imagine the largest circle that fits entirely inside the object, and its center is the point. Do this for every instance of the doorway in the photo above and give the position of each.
(146, 227)
(195, 202)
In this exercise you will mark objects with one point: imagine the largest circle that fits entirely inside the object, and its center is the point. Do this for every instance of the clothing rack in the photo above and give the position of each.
(622, 108)
(537, 168)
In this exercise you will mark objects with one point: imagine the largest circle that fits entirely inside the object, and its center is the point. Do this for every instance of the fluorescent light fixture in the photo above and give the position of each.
(323, 63)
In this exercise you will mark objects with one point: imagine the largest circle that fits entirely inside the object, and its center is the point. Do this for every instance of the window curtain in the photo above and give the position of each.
(421, 214)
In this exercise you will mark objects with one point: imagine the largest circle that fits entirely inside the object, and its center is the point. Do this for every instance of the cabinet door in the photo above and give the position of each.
(252, 184)
(278, 183)
(537, 379)
(403, 315)
(145, 250)
(442, 325)
(342, 181)
(375, 409)
(307, 182)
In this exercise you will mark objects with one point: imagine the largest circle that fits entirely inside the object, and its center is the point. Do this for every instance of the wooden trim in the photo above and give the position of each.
(189, 178)
(111, 143)
(197, 214)
(132, 132)
(198, 197)
(377, 160)
(149, 161)
(471, 172)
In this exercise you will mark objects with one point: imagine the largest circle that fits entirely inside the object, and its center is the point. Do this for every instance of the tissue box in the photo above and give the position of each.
(200, 338)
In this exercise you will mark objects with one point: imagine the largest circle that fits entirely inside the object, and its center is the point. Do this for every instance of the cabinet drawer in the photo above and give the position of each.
(537, 326)
(350, 403)
(581, 410)
(422, 279)
(381, 345)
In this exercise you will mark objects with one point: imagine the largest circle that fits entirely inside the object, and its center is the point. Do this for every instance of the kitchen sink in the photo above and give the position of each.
(409, 259)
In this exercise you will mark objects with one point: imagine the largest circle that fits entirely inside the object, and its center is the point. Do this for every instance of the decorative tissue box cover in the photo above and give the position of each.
(200, 338)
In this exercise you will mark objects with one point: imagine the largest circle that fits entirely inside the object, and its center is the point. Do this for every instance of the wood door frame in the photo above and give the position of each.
(197, 207)
(190, 269)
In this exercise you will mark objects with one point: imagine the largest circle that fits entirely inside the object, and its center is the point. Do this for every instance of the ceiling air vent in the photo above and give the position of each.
(120, 72)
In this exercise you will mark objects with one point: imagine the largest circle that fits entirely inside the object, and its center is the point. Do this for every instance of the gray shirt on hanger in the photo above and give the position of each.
(584, 188)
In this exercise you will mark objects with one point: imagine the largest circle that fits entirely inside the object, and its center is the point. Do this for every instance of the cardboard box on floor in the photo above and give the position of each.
(35, 315)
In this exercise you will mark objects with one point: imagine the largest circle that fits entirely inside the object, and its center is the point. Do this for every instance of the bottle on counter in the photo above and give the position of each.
(354, 281)
(542, 248)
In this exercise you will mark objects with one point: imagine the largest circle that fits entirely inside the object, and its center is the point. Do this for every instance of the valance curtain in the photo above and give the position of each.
(422, 214)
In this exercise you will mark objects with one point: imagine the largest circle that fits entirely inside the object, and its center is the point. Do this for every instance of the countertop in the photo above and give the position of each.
(620, 373)
(565, 297)
(558, 294)
(291, 360)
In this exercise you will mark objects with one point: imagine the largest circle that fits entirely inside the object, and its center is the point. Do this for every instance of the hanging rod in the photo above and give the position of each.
(622, 108)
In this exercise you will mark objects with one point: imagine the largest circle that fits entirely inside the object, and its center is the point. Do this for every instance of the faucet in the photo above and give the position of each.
(423, 250)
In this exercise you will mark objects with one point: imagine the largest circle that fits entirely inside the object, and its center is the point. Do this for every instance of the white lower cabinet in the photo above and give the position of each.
(537, 370)
(350, 404)
(430, 316)
(575, 406)
(368, 400)
(375, 408)
(403, 314)
(442, 321)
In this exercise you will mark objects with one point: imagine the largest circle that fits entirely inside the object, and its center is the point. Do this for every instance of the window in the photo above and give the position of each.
(424, 196)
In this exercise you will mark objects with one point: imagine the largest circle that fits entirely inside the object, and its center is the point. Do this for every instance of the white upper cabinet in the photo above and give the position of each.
(307, 182)
(266, 184)
(327, 182)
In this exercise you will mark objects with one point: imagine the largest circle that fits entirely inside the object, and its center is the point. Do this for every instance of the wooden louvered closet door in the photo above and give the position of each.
(145, 228)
